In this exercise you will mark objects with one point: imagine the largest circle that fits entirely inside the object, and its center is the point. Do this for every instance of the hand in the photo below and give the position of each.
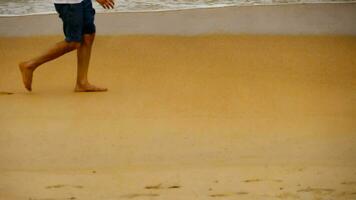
(107, 4)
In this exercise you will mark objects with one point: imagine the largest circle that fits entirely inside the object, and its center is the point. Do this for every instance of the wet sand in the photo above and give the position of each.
(292, 19)
(198, 117)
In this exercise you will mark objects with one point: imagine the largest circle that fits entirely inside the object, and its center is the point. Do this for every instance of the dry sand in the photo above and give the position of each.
(204, 117)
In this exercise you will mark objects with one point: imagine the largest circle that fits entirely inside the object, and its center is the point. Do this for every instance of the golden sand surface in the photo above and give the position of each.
(198, 117)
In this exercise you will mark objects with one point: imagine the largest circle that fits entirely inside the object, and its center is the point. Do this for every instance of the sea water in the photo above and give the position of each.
(29, 7)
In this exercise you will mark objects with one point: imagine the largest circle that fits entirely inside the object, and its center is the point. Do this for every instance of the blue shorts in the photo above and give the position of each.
(78, 19)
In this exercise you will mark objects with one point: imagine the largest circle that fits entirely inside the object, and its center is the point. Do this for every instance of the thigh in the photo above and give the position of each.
(72, 16)
(89, 17)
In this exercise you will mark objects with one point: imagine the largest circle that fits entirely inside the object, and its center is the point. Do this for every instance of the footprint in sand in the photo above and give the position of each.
(61, 186)
(70, 198)
(277, 180)
(317, 190)
(220, 195)
(349, 193)
(159, 186)
(174, 187)
(228, 194)
(288, 195)
(6, 93)
(131, 196)
(349, 183)
(41, 199)
(55, 186)
(252, 180)
(154, 187)
(259, 180)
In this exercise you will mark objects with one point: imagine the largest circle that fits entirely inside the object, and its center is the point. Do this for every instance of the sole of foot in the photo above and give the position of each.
(89, 88)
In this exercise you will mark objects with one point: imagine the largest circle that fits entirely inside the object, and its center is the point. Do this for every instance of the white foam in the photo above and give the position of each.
(10, 8)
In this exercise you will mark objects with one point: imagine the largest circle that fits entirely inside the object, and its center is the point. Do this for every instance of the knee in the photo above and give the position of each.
(73, 45)
(88, 39)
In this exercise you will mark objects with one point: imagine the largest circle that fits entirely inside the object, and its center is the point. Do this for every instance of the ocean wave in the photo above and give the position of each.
(40, 7)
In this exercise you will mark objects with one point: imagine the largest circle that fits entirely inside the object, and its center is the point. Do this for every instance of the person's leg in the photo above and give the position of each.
(72, 16)
(56, 51)
(84, 51)
(83, 56)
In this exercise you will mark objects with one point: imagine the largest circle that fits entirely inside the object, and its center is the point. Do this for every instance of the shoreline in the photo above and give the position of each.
(191, 8)
(330, 19)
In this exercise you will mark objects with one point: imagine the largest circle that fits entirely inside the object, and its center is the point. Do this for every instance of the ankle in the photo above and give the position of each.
(82, 83)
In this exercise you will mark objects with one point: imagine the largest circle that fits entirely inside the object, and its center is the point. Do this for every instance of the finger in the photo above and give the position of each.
(110, 3)
(107, 6)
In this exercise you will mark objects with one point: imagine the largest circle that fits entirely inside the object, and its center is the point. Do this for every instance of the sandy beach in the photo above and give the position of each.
(300, 19)
(186, 117)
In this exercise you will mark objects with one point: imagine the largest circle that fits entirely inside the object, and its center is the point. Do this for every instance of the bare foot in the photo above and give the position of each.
(27, 69)
(89, 88)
